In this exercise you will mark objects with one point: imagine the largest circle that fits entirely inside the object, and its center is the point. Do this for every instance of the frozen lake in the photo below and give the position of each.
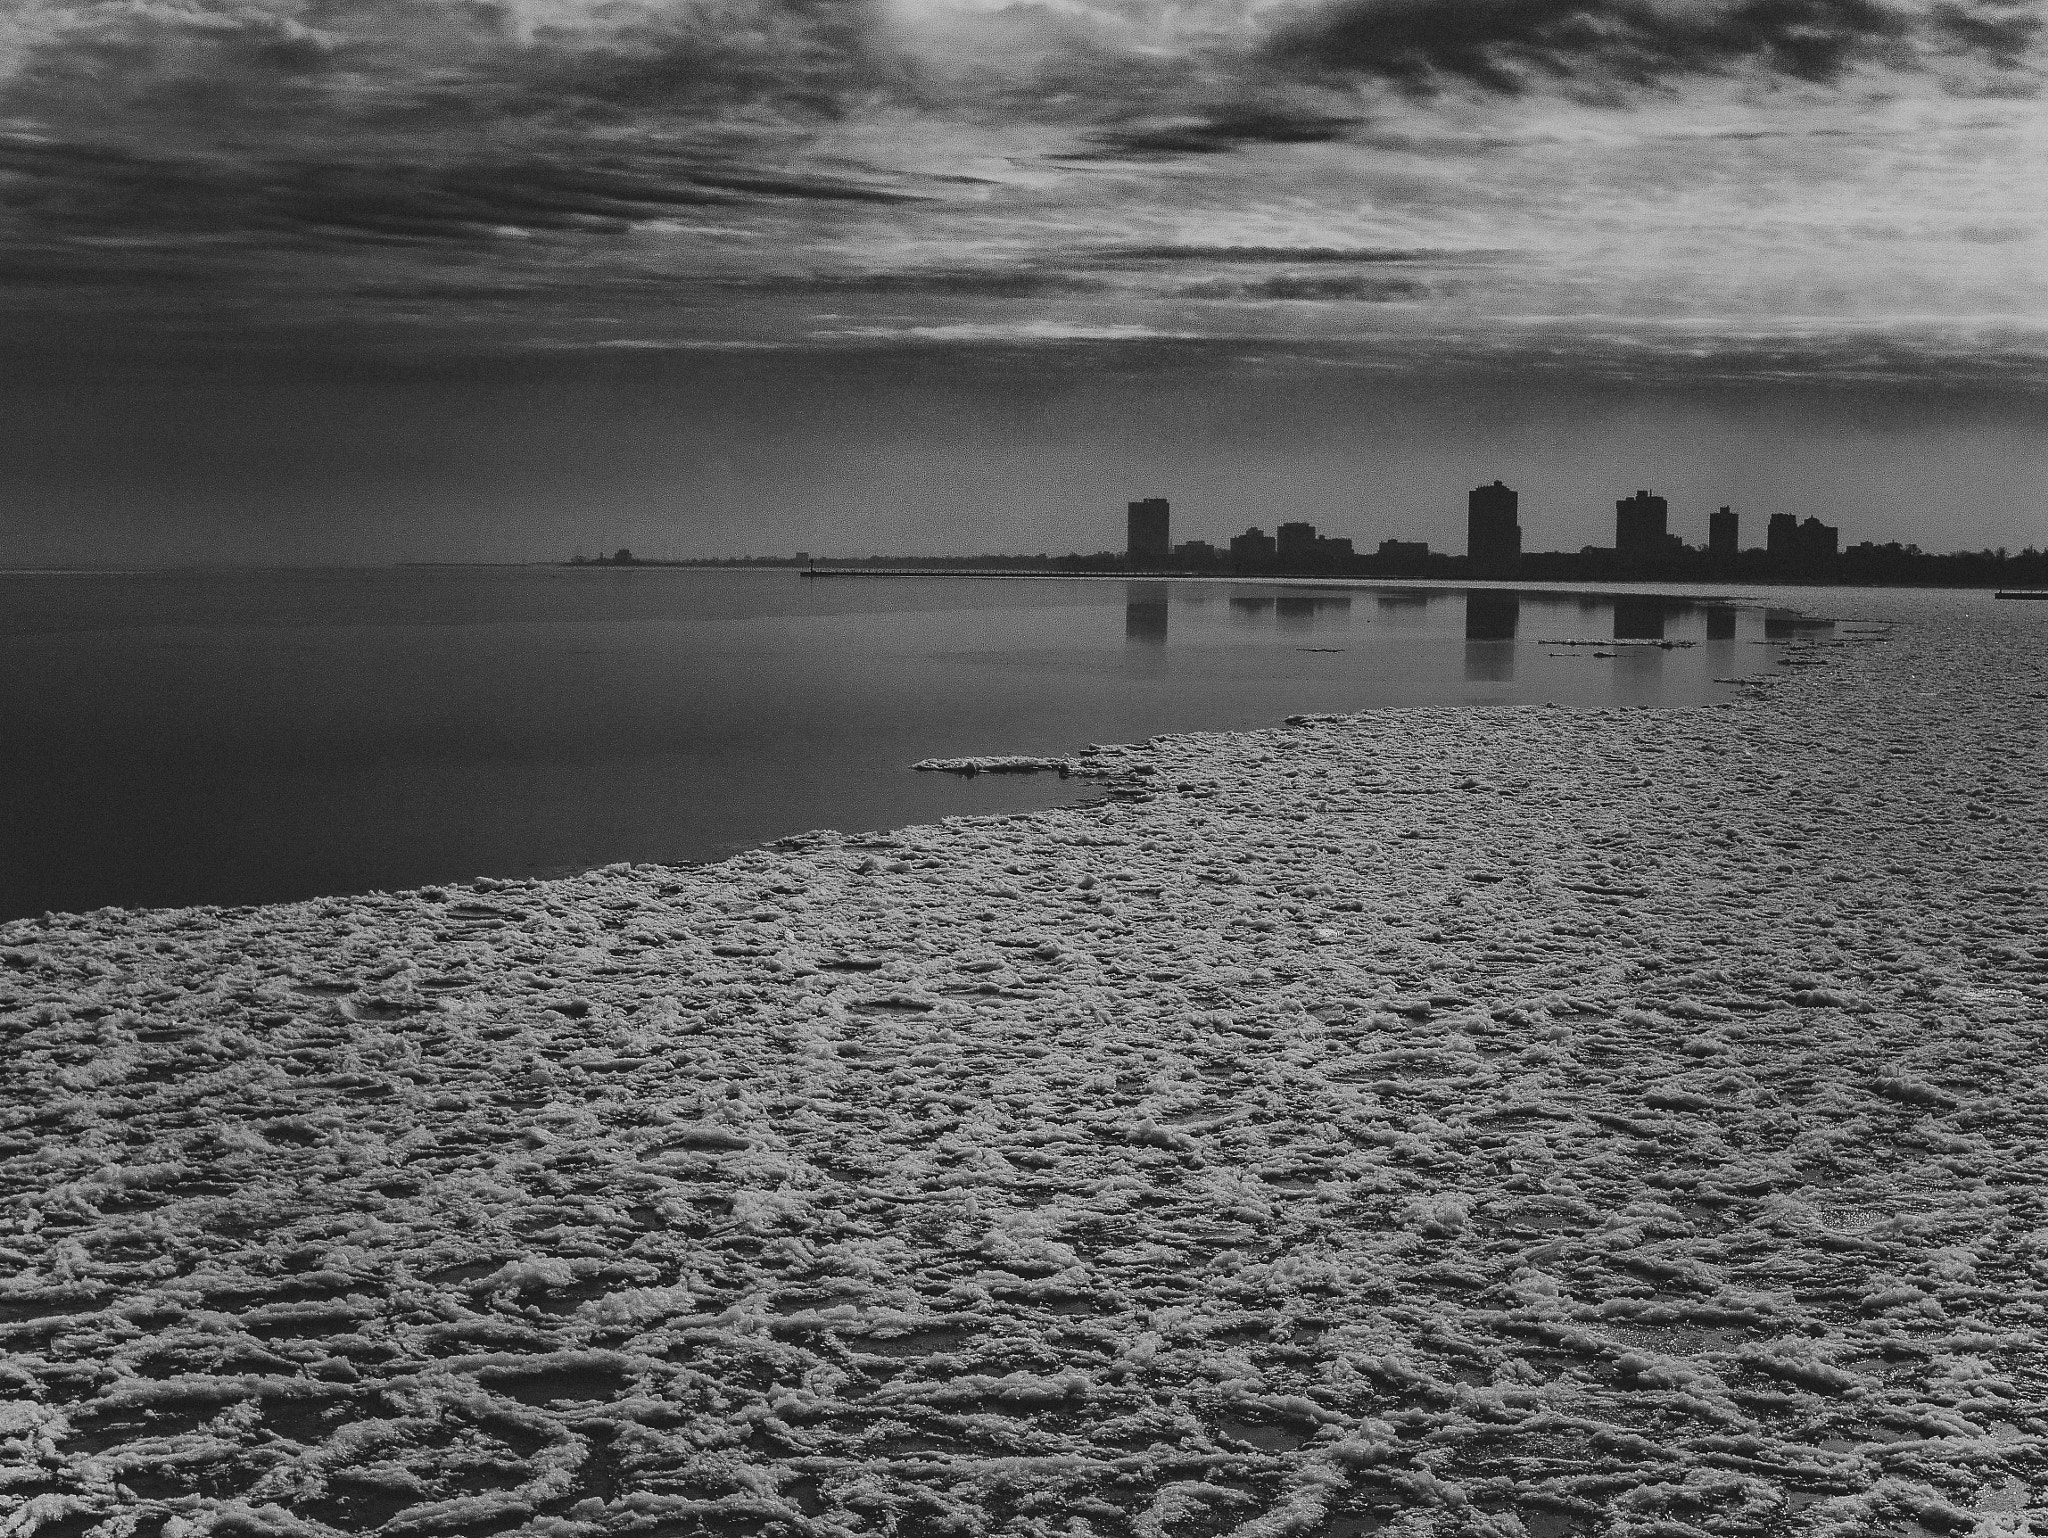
(243, 737)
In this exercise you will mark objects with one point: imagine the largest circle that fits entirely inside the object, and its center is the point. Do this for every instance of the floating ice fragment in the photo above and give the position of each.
(997, 764)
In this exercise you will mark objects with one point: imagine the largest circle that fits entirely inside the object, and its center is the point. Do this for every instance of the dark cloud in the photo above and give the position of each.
(1295, 255)
(1220, 132)
(454, 63)
(1508, 46)
(88, 188)
(2000, 34)
(1355, 288)
(949, 282)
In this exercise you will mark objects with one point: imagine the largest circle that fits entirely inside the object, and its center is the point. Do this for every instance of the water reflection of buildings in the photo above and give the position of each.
(1297, 611)
(1720, 624)
(1404, 606)
(1639, 619)
(1294, 610)
(1491, 619)
(1145, 617)
(1492, 616)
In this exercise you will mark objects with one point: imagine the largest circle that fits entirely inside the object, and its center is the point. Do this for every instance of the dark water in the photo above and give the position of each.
(238, 737)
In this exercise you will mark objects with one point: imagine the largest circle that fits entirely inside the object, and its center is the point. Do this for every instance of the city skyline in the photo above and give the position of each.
(1794, 549)
(1494, 535)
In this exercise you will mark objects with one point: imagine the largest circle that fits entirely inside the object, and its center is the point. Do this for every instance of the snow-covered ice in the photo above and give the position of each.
(1498, 1122)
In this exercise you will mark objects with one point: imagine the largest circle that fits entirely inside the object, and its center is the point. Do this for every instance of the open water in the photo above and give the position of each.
(238, 737)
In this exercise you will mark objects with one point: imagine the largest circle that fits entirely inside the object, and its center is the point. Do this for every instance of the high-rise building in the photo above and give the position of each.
(1493, 539)
(1639, 527)
(1794, 545)
(1296, 544)
(1782, 538)
(1722, 533)
(1146, 539)
(1254, 547)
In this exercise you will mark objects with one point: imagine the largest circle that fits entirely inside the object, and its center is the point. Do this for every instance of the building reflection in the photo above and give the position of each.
(1639, 619)
(1145, 613)
(1638, 671)
(1299, 611)
(1403, 606)
(1293, 610)
(1492, 616)
(1720, 624)
(1491, 619)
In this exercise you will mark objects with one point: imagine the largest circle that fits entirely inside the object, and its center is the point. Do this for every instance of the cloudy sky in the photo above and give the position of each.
(375, 279)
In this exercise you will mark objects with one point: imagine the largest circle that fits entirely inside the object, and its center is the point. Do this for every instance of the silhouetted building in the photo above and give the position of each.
(1403, 557)
(1493, 539)
(1801, 546)
(1146, 540)
(1639, 527)
(1296, 544)
(1254, 547)
(1723, 537)
(1333, 552)
(1195, 552)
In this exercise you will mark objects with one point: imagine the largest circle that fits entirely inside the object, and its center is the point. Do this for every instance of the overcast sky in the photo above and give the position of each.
(378, 279)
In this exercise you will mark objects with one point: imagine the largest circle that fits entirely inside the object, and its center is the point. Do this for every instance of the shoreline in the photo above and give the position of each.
(1462, 1120)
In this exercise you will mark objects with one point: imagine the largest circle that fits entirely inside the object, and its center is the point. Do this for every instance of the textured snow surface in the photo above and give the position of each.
(1425, 1122)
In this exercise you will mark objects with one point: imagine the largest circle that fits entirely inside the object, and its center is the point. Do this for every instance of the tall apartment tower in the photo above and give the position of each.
(1722, 538)
(1808, 546)
(1782, 538)
(1493, 539)
(1296, 543)
(1639, 526)
(1146, 539)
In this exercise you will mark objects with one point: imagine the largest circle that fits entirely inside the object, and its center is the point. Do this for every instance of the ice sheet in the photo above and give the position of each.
(1431, 1121)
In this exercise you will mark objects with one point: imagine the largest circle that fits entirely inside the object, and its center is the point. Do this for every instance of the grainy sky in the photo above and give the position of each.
(375, 279)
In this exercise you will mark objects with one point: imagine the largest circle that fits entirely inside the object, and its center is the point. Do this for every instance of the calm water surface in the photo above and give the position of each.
(240, 737)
